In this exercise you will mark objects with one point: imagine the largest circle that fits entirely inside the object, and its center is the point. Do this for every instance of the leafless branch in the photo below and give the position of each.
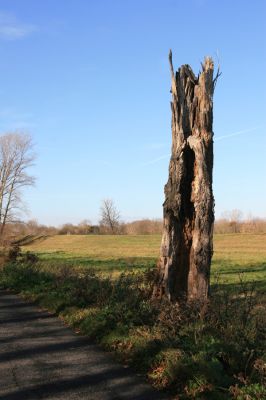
(16, 157)
(110, 216)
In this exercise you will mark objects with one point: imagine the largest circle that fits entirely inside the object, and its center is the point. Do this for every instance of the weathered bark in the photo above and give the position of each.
(186, 248)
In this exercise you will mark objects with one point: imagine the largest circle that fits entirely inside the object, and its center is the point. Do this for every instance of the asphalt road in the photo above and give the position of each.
(40, 358)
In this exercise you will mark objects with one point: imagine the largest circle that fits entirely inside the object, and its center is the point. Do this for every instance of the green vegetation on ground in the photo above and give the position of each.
(101, 286)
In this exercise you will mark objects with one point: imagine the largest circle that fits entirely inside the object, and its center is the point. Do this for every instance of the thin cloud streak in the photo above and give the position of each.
(156, 160)
(12, 29)
(156, 146)
(163, 157)
(237, 133)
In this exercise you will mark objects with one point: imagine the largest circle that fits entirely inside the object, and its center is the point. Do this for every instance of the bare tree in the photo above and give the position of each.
(143, 227)
(16, 157)
(84, 227)
(110, 216)
(234, 217)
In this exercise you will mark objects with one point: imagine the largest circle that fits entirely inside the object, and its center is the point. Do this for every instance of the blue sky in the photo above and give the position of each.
(90, 81)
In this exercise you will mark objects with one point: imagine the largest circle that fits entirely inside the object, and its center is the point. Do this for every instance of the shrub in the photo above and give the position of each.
(214, 350)
(13, 253)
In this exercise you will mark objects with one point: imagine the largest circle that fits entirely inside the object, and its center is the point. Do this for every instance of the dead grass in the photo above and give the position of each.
(99, 246)
(234, 254)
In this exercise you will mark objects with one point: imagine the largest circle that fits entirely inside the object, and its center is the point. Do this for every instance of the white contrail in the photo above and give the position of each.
(216, 140)
(156, 160)
(237, 133)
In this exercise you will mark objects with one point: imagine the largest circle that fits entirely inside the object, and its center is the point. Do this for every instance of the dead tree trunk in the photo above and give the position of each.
(186, 248)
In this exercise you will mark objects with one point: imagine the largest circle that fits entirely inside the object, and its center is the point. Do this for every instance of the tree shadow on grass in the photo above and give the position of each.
(236, 278)
(230, 268)
(255, 288)
(105, 265)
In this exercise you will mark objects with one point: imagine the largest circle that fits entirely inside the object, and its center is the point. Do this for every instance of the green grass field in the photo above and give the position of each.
(233, 254)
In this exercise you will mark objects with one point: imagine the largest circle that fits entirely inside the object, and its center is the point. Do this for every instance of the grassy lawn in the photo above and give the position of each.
(233, 254)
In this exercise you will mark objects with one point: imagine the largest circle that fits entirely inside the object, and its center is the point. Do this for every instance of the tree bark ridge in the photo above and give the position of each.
(186, 248)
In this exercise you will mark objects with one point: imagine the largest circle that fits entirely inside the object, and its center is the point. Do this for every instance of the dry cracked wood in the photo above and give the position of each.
(186, 249)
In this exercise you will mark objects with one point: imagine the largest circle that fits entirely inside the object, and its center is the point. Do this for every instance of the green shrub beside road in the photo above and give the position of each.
(208, 351)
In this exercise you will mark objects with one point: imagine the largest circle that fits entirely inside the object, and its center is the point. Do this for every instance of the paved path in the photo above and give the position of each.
(40, 358)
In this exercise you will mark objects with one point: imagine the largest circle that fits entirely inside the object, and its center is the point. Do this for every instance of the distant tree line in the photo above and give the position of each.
(233, 222)
(143, 227)
(224, 225)
(32, 227)
(110, 223)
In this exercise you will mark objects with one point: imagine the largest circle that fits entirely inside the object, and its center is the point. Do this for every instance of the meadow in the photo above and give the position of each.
(102, 285)
(234, 254)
